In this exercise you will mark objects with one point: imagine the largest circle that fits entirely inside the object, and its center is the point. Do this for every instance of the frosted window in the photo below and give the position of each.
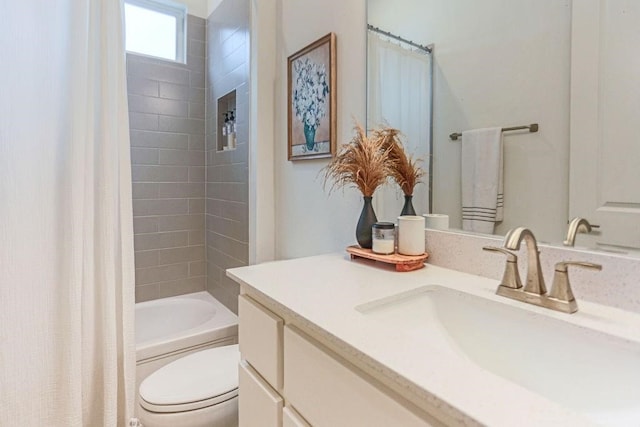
(155, 30)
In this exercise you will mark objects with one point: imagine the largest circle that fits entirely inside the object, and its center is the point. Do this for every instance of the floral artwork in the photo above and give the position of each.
(311, 112)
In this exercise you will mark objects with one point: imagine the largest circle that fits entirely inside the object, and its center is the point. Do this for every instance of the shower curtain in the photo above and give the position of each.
(67, 355)
(399, 94)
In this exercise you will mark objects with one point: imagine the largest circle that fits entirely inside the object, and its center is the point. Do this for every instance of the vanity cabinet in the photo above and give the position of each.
(282, 364)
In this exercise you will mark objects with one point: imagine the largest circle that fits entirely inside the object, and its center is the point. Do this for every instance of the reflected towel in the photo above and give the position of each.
(482, 179)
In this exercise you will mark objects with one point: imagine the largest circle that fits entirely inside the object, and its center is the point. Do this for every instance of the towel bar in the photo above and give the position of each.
(532, 128)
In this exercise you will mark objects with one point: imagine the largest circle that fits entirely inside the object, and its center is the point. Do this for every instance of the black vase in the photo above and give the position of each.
(407, 209)
(366, 221)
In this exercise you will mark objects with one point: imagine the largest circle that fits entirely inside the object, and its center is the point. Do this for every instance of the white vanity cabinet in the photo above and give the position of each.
(283, 365)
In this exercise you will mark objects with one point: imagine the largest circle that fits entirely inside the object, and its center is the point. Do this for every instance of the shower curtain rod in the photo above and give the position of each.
(427, 49)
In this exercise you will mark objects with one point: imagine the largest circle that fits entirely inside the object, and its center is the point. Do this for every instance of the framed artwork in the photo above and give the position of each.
(311, 116)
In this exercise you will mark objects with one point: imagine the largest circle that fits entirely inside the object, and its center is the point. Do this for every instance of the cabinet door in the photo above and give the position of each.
(260, 337)
(328, 393)
(290, 418)
(259, 405)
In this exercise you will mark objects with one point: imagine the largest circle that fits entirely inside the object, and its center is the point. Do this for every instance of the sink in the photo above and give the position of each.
(583, 369)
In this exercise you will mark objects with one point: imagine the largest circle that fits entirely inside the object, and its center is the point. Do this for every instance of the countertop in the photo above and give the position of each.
(324, 290)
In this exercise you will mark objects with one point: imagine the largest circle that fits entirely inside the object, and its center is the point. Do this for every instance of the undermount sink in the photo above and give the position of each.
(583, 369)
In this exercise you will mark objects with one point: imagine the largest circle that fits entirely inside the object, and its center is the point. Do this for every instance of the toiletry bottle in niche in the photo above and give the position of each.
(225, 130)
(232, 129)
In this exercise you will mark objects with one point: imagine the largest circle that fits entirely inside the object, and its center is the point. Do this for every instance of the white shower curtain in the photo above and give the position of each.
(66, 236)
(399, 93)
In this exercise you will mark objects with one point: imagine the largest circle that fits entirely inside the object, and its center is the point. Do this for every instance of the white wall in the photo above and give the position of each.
(307, 220)
(196, 7)
(497, 63)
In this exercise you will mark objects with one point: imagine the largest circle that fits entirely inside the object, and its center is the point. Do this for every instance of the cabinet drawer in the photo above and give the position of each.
(260, 337)
(330, 394)
(290, 418)
(259, 405)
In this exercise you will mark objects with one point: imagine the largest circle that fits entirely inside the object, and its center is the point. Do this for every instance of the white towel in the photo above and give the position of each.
(482, 179)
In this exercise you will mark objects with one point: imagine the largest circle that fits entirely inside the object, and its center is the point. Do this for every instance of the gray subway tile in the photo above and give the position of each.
(181, 287)
(181, 222)
(167, 107)
(145, 259)
(181, 190)
(144, 156)
(141, 86)
(196, 206)
(196, 64)
(193, 20)
(178, 255)
(174, 91)
(196, 48)
(196, 142)
(196, 32)
(158, 71)
(196, 110)
(143, 242)
(196, 237)
(197, 268)
(159, 139)
(147, 292)
(142, 121)
(174, 157)
(145, 224)
(197, 79)
(196, 173)
(160, 174)
(162, 273)
(145, 190)
(160, 207)
(181, 125)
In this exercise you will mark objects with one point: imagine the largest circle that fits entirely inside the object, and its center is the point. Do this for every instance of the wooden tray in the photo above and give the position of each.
(402, 262)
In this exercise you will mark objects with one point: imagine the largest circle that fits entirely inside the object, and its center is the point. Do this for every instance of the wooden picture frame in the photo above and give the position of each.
(311, 90)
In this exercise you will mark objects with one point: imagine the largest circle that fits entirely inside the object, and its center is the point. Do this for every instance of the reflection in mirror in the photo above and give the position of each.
(399, 80)
(564, 65)
(496, 64)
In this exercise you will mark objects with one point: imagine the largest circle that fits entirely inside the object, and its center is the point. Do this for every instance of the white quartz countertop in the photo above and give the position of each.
(324, 291)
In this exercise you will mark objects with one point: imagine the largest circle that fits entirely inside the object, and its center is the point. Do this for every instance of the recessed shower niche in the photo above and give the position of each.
(226, 134)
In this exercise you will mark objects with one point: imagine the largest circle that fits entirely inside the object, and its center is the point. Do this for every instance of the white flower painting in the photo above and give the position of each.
(310, 91)
(311, 117)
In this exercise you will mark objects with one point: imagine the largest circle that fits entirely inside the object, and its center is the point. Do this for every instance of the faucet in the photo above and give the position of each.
(535, 281)
(577, 225)
(534, 292)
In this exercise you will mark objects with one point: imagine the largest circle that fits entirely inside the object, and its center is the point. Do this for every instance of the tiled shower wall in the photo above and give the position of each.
(167, 126)
(227, 171)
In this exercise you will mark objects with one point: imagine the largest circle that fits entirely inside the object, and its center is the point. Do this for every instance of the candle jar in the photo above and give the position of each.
(383, 234)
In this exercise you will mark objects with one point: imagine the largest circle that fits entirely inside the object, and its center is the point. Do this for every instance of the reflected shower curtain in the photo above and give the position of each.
(66, 237)
(399, 95)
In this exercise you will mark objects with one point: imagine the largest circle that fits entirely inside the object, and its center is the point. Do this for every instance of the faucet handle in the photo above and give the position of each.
(561, 288)
(511, 276)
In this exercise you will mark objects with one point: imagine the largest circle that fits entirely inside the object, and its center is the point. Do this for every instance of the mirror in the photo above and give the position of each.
(504, 64)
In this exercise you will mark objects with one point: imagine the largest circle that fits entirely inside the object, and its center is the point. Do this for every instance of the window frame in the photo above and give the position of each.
(171, 8)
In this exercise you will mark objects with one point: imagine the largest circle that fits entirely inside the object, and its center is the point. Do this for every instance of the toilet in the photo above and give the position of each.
(198, 390)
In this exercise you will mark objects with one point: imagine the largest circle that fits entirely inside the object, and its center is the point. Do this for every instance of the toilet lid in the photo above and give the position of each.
(195, 381)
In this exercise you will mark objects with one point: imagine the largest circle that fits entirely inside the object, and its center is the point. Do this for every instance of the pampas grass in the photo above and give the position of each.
(404, 170)
(363, 163)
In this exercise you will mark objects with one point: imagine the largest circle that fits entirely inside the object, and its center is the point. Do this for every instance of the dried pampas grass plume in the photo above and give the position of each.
(363, 163)
(405, 170)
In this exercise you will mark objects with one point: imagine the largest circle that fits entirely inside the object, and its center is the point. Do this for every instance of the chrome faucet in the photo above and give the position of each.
(535, 281)
(578, 225)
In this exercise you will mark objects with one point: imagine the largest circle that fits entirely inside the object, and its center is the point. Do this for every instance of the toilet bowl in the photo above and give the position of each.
(198, 390)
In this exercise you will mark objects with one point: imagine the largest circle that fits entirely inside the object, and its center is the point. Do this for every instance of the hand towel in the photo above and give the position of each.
(482, 179)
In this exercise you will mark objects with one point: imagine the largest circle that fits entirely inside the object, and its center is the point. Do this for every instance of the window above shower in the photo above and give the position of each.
(156, 28)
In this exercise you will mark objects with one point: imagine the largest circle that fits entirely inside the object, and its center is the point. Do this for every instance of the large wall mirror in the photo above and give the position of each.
(569, 67)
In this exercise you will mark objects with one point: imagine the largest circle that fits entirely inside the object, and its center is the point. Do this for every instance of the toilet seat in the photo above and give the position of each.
(199, 380)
